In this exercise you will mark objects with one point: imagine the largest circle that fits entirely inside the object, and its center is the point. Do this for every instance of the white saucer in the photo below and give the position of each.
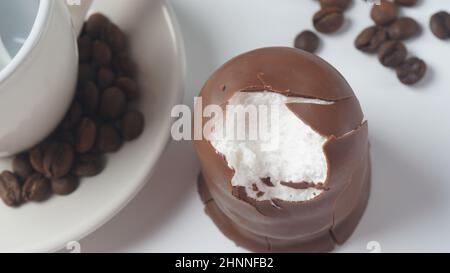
(159, 52)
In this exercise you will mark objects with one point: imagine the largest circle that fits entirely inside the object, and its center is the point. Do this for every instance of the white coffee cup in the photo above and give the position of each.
(37, 85)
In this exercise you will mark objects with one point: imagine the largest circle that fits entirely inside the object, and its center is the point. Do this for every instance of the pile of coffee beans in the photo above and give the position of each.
(386, 39)
(98, 122)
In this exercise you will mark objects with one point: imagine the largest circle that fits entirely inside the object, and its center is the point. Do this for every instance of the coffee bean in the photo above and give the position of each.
(58, 160)
(86, 73)
(71, 119)
(65, 185)
(406, 3)
(392, 53)
(37, 158)
(84, 48)
(89, 97)
(22, 166)
(96, 25)
(105, 78)
(132, 125)
(384, 13)
(340, 4)
(124, 65)
(115, 37)
(128, 86)
(88, 166)
(328, 20)
(36, 188)
(73, 116)
(411, 71)
(67, 136)
(308, 41)
(86, 135)
(403, 28)
(370, 39)
(113, 103)
(109, 139)
(10, 190)
(440, 24)
(101, 53)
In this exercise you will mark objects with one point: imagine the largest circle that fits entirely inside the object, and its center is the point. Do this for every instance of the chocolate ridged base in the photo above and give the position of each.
(322, 242)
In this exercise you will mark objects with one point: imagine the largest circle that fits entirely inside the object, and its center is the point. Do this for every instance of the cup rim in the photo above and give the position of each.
(36, 32)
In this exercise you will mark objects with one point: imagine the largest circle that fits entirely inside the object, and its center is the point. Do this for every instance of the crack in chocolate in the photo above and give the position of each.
(332, 236)
(336, 119)
(269, 246)
(287, 93)
(259, 76)
(268, 87)
(305, 185)
(266, 181)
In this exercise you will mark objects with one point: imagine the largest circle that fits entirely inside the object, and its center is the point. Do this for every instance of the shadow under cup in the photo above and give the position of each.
(16, 21)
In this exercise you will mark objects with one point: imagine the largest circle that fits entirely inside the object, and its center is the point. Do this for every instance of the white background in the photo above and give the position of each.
(409, 209)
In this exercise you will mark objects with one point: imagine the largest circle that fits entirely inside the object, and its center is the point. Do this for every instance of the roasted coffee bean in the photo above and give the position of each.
(392, 53)
(115, 37)
(84, 48)
(340, 4)
(308, 41)
(22, 166)
(58, 160)
(132, 125)
(89, 97)
(370, 39)
(109, 139)
(440, 25)
(10, 189)
(113, 103)
(406, 3)
(67, 136)
(384, 13)
(96, 25)
(128, 86)
(403, 28)
(88, 166)
(105, 78)
(65, 185)
(73, 116)
(124, 65)
(36, 188)
(101, 53)
(86, 135)
(86, 73)
(37, 158)
(411, 71)
(328, 20)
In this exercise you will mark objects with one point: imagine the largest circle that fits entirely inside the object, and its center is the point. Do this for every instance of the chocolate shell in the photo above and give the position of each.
(277, 225)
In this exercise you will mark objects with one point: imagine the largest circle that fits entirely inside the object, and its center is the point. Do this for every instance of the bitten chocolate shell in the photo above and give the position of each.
(278, 225)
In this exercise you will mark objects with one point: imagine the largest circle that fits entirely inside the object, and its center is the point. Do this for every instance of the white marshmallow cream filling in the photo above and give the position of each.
(288, 150)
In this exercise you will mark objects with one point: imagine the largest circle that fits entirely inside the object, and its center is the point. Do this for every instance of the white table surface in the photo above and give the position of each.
(409, 209)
